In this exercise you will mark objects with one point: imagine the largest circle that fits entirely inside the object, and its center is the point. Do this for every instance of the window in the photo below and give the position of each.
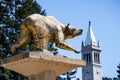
(96, 57)
(89, 57)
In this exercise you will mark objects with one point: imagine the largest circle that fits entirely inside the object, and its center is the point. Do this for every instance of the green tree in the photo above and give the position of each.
(118, 71)
(12, 13)
(70, 74)
(106, 78)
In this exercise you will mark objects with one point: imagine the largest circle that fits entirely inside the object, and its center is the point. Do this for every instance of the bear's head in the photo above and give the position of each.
(71, 32)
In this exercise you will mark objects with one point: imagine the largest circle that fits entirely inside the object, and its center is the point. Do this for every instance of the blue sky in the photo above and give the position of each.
(105, 21)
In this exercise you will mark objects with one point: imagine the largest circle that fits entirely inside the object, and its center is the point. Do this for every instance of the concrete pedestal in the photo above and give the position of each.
(38, 66)
(46, 75)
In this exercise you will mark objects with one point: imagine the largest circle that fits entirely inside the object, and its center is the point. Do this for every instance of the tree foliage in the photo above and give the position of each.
(12, 13)
(106, 78)
(70, 75)
(118, 71)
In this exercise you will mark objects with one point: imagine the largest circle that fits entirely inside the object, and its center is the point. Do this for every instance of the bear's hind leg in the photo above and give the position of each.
(23, 40)
(35, 36)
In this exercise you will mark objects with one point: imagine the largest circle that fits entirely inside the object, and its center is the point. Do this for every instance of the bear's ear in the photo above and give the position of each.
(67, 27)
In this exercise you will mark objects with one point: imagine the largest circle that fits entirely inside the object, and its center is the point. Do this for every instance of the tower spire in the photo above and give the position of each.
(90, 39)
(89, 23)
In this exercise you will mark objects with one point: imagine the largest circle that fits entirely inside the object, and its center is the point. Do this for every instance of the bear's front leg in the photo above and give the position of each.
(64, 45)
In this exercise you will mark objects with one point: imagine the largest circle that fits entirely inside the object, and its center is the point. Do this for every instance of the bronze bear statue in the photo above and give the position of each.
(45, 29)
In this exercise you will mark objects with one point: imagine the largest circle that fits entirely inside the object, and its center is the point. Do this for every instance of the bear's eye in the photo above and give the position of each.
(74, 29)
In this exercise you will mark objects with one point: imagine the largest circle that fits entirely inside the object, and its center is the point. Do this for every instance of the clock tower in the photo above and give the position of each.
(91, 54)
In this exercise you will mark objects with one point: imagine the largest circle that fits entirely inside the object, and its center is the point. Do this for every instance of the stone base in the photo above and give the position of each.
(46, 75)
(39, 66)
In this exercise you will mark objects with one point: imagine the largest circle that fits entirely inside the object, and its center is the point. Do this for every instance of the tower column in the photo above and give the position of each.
(91, 53)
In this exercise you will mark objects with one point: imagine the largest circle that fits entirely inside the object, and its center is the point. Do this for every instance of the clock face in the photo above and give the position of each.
(97, 71)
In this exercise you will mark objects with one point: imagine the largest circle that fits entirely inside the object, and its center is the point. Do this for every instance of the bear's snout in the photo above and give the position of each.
(81, 31)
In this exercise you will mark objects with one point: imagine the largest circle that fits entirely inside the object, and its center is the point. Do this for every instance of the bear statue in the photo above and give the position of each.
(45, 29)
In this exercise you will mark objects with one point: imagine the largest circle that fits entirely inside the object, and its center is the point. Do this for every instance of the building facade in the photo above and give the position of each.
(91, 54)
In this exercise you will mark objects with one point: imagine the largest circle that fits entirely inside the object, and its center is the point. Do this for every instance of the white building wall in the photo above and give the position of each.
(97, 72)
